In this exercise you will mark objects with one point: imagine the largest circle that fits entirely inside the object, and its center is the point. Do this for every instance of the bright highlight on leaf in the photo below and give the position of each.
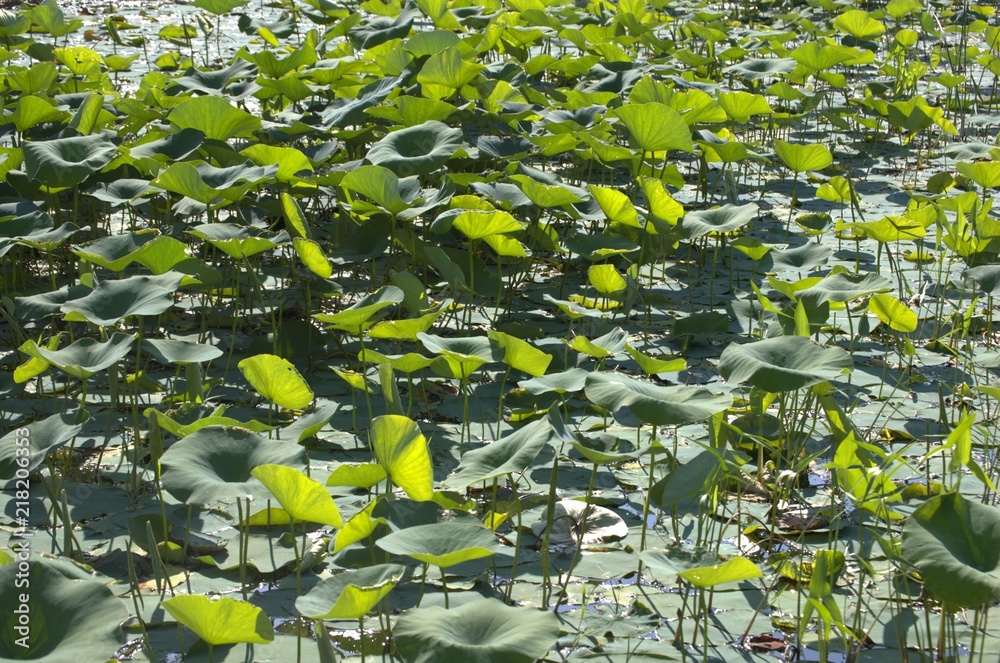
(401, 450)
(302, 498)
(277, 380)
(223, 621)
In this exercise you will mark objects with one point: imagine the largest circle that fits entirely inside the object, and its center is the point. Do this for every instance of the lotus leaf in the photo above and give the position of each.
(73, 617)
(784, 363)
(215, 464)
(481, 631)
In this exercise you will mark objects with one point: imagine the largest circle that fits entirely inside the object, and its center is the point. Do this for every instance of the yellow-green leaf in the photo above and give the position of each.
(303, 498)
(277, 380)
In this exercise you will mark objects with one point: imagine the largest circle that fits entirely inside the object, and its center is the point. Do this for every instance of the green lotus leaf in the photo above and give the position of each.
(736, 569)
(984, 173)
(407, 330)
(602, 347)
(575, 523)
(72, 617)
(480, 631)
(401, 449)
(653, 365)
(859, 24)
(206, 184)
(84, 357)
(445, 72)
(820, 56)
(281, 27)
(291, 163)
(215, 117)
(465, 347)
(380, 29)
(837, 190)
(509, 455)
(756, 69)
(417, 150)
(803, 158)
(459, 357)
(32, 110)
(477, 225)
(411, 362)
(378, 184)
(66, 162)
(741, 106)
(915, 115)
(655, 127)
(987, 277)
(276, 379)
(442, 544)
(307, 425)
(784, 363)
(115, 252)
(38, 306)
(40, 438)
(566, 382)
(223, 621)
(653, 404)
(215, 464)
(348, 112)
(423, 44)
(616, 206)
(521, 355)
(169, 351)
(216, 418)
(122, 192)
(845, 287)
(801, 258)
(271, 66)
(50, 18)
(367, 522)
(238, 241)
(723, 219)
(364, 313)
(358, 475)
(111, 301)
(313, 257)
(604, 448)
(893, 312)
(34, 229)
(694, 478)
(546, 194)
(717, 149)
(36, 79)
(302, 498)
(955, 544)
(172, 147)
(350, 595)
(606, 280)
(891, 229)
